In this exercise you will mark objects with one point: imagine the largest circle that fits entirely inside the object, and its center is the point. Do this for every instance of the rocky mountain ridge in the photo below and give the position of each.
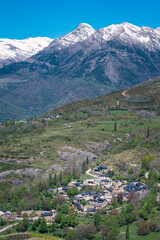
(83, 64)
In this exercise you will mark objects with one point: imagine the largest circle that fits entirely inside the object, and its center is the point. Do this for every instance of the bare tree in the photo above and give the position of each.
(134, 198)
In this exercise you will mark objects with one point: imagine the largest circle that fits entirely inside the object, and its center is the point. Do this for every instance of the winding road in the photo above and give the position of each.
(124, 93)
(92, 175)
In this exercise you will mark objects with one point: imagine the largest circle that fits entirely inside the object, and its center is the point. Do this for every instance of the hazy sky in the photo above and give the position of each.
(54, 18)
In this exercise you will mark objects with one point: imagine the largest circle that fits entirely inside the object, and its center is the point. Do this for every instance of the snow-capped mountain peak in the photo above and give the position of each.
(86, 28)
(82, 32)
(129, 33)
(84, 35)
(12, 50)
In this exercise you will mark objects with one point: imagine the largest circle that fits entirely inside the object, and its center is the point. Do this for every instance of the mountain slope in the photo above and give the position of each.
(12, 50)
(84, 63)
(144, 96)
(82, 130)
(11, 112)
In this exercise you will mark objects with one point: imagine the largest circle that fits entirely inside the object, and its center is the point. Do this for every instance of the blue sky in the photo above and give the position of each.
(54, 18)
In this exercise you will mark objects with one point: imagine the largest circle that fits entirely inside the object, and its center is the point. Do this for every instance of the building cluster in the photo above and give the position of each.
(52, 117)
(30, 215)
(104, 192)
(7, 215)
(94, 200)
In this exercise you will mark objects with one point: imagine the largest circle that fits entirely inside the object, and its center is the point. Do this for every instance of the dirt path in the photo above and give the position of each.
(67, 125)
(146, 175)
(41, 153)
(10, 226)
(124, 93)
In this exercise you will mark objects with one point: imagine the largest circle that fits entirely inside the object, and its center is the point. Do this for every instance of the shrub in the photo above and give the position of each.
(146, 114)
(71, 235)
(146, 160)
(110, 230)
(154, 226)
(143, 229)
(2, 222)
(85, 231)
(23, 226)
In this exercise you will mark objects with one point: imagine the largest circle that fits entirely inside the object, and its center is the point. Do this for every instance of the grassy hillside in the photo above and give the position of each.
(86, 128)
(62, 142)
(143, 96)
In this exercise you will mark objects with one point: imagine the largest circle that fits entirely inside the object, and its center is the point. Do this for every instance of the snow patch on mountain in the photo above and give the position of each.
(12, 50)
(83, 32)
(129, 34)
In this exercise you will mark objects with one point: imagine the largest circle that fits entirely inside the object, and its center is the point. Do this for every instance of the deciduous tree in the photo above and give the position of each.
(43, 226)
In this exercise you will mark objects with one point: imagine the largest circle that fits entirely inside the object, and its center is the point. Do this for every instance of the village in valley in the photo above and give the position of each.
(89, 201)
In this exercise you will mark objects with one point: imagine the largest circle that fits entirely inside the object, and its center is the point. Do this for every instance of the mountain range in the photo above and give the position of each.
(83, 64)
(12, 50)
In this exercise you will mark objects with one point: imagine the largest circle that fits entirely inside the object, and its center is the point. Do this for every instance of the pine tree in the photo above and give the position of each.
(127, 232)
(55, 179)
(87, 161)
(74, 172)
(148, 132)
(109, 109)
(115, 126)
(97, 220)
(83, 167)
(60, 177)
